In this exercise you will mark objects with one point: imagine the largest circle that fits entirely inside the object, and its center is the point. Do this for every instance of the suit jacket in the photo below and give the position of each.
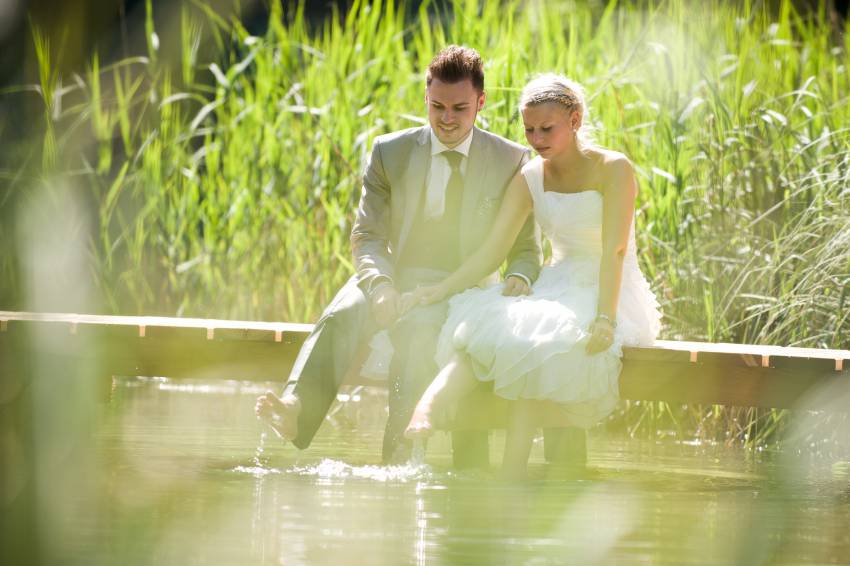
(392, 192)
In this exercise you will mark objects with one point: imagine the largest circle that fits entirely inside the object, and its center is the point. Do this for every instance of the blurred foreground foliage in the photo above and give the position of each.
(226, 188)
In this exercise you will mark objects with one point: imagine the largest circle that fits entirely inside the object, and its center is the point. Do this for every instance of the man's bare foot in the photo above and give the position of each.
(420, 425)
(280, 413)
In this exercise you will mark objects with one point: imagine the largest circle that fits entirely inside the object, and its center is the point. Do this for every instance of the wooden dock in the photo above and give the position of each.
(675, 372)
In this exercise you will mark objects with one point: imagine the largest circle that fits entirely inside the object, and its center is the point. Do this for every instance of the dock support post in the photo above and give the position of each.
(565, 446)
(470, 449)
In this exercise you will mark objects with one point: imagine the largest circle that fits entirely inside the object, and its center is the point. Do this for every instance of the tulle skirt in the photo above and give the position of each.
(533, 347)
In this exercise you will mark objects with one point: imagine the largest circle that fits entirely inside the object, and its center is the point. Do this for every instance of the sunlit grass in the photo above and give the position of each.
(227, 188)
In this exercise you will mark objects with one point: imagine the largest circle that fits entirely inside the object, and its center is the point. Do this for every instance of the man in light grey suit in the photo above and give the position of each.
(430, 196)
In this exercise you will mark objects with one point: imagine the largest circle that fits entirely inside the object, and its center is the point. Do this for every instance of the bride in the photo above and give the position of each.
(563, 343)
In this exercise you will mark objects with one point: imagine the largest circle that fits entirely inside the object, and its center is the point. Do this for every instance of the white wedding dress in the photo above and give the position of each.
(533, 347)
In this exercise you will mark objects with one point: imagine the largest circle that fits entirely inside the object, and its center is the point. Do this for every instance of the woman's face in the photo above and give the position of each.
(550, 128)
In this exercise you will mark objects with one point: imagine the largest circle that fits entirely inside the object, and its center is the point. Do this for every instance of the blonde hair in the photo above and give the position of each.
(558, 89)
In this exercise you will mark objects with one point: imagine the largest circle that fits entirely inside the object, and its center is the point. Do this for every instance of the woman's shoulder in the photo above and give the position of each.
(608, 159)
(532, 165)
(612, 166)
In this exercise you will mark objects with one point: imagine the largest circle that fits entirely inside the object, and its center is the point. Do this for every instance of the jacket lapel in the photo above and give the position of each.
(414, 183)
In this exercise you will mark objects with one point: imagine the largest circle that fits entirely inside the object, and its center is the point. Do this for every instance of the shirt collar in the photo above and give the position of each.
(462, 148)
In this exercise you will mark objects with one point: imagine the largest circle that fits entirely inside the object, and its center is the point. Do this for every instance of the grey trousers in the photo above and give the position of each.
(413, 367)
(345, 327)
(414, 338)
(327, 354)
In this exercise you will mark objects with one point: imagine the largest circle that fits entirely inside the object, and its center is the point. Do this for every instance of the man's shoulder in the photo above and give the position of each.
(500, 143)
(401, 136)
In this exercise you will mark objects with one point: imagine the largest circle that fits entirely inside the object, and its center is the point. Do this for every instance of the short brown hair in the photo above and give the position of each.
(456, 63)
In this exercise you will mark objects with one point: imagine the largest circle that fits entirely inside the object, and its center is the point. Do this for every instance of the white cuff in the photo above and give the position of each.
(378, 282)
(521, 276)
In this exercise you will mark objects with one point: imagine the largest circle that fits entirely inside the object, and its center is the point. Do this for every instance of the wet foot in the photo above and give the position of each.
(420, 426)
(280, 413)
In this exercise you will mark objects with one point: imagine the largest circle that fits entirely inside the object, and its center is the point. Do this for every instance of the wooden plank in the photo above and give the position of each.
(257, 330)
(752, 349)
(793, 386)
(723, 385)
(675, 372)
(110, 320)
(181, 352)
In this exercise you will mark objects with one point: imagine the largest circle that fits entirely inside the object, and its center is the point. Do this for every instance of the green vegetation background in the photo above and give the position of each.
(226, 188)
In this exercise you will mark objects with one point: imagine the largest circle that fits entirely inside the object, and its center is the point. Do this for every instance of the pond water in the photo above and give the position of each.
(184, 474)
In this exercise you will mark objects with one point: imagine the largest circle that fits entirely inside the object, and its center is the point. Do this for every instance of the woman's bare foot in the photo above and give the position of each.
(280, 413)
(420, 425)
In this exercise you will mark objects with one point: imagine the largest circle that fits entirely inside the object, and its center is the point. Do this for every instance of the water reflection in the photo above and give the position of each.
(187, 475)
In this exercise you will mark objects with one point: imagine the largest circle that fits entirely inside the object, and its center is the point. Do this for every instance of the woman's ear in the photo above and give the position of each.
(575, 119)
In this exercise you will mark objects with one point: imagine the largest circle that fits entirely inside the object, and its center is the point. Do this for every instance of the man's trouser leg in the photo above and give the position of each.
(326, 357)
(414, 339)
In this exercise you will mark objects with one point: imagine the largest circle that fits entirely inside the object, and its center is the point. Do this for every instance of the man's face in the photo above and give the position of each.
(452, 108)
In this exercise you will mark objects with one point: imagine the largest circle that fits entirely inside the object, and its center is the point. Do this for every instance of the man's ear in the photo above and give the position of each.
(481, 98)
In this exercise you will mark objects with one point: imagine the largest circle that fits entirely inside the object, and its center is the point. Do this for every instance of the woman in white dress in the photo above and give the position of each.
(563, 342)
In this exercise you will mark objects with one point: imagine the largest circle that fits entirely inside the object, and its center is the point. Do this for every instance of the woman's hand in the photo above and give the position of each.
(601, 336)
(423, 295)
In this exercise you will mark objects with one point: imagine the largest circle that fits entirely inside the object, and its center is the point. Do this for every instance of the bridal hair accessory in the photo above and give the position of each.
(553, 88)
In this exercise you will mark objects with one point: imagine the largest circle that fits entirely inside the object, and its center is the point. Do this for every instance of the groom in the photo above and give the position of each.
(430, 196)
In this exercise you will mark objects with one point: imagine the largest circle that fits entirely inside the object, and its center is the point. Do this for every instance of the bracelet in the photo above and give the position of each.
(607, 319)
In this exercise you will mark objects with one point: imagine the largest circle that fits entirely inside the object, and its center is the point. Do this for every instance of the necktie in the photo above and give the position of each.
(454, 184)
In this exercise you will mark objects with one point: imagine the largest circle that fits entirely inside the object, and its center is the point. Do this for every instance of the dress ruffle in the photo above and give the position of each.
(533, 347)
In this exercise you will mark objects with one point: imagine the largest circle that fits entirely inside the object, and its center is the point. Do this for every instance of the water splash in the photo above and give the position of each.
(417, 454)
(259, 463)
(414, 469)
(258, 471)
(336, 469)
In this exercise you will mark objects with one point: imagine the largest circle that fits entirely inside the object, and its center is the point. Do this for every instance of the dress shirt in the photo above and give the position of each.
(439, 173)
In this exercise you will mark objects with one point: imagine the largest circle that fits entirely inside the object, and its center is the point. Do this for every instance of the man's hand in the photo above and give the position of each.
(515, 286)
(422, 296)
(385, 305)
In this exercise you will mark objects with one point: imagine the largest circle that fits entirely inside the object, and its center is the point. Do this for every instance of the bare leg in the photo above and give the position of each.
(453, 381)
(520, 435)
(280, 413)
